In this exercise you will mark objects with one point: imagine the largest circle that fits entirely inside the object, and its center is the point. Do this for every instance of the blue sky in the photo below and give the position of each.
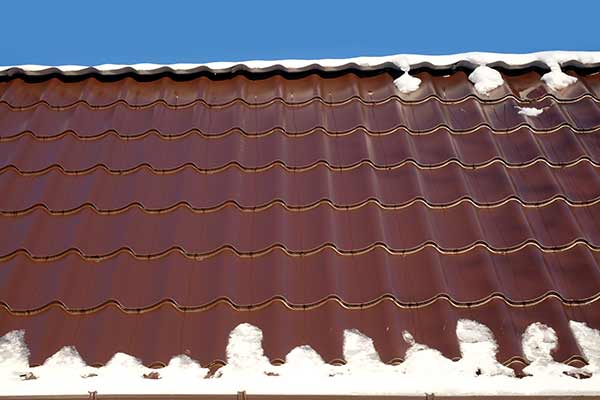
(107, 31)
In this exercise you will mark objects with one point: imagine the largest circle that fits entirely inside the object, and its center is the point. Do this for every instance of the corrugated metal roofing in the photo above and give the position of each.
(151, 216)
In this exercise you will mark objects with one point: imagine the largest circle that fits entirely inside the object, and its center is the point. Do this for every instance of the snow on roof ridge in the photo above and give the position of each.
(552, 59)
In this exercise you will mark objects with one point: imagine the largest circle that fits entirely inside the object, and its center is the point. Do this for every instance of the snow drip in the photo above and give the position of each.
(556, 79)
(485, 79)
(407, 83)
(424, 370)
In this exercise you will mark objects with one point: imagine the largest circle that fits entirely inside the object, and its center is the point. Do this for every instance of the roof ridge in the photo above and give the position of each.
(404, 62)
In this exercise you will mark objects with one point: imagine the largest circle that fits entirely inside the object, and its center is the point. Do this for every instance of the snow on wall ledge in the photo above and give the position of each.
(424, 370)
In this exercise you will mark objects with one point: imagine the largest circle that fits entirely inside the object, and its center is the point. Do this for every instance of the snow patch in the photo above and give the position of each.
(122, 369)
(360, 354)
(359, 350)
(122, 362)
(588, 340)
(529, 111)
(304, 361)
(65, 358)
(556, 79)
(64, 366)
(422, 361)
(478, 349)
(185, 364)
(14, 354)
(407, 83)
(539, 341)
(485, 79)
(245, 354)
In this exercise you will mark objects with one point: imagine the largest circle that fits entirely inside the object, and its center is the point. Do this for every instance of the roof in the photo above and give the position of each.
(158, 214)
(404, 62)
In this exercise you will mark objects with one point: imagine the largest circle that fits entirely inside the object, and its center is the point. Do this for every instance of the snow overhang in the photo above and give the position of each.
(547, 60)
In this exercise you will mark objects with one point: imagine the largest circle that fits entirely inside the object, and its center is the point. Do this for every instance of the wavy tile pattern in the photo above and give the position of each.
(446, 87)
(44, 122)
(152, 216)
(492, 186)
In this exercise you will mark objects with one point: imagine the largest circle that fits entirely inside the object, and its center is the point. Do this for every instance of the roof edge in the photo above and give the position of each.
(403, 62)
(246, 396)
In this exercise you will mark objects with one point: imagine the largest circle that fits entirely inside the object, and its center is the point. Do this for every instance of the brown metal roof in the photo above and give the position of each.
(152, 216)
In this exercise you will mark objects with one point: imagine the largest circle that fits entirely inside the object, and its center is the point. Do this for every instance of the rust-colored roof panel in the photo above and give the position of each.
(471, 278)
(490, 186)
(44, 122)
(151, 216)
(483, 146)
(459, 228)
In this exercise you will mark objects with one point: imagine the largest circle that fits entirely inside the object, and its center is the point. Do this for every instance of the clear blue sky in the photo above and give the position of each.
(107, 31)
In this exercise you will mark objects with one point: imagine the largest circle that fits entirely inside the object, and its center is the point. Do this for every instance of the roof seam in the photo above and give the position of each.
(365, 130)
(280, 299)
(299, 253)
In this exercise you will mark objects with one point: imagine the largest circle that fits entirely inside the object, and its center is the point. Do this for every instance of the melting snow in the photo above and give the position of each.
(529, 111)
(360, 353)
(422, 361)
(423, 370)
(14, 354)
(556, 79)
(478, 349)
(306, 362)
(407, 83)
(539, 341)
(589, 342)
(485, 79)
(245, 355)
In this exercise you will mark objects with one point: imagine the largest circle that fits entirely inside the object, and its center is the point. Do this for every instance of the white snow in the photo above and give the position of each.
(306, 362)
(183, 366)
(588, 340)
(424, 370)
(539, 341)
(421, 361)
(403, 61)
(245, 355)
(360, 353)
(478, 349)
(556, 79)
(529, 111)
(14, 354)
(407, 83)
(485, 79)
